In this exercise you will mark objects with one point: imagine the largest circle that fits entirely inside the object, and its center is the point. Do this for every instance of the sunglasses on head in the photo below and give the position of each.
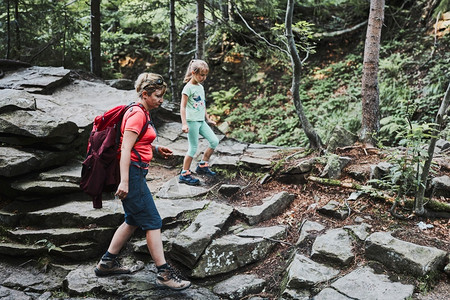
(158, 81)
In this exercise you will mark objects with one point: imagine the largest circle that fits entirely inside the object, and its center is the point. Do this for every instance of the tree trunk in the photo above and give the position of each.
(200, 34)
(370, 93)
(224, 9)
(96, 63)
(8, 30)
(16, 17)
(172, 51)
(63, 58)
(314, 139)
(440, 124)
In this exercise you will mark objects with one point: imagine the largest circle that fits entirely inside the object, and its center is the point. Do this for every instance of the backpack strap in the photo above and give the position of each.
(143, 130)
(147, 121)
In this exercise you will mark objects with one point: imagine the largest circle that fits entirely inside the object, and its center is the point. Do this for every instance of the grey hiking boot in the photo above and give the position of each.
(110, 267)
(170, 278)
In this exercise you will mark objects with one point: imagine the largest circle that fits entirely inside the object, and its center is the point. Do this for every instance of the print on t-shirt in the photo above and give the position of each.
(198, 102)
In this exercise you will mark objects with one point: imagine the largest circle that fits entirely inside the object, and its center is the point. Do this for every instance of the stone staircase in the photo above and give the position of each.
(51, 237)
(198, 234)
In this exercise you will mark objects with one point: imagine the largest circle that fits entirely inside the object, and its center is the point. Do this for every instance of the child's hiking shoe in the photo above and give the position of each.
(170, 278)
(203, 169)
(186, 177)
(110, 267)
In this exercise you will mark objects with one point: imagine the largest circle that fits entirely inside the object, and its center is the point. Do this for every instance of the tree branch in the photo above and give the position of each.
(431, 204)
(339, 32)
(260, 36)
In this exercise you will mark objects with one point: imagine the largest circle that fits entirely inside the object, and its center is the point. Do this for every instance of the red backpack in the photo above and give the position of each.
(100, 170)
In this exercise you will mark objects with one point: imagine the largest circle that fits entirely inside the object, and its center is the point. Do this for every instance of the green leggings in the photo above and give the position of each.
(202, 128)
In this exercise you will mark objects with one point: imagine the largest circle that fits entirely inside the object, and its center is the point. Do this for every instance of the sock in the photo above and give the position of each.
(162, 267)
(202, 163)
(109, 256)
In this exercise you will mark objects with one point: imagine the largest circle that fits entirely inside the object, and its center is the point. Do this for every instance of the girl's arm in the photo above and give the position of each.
(129, 138)
(184, 100)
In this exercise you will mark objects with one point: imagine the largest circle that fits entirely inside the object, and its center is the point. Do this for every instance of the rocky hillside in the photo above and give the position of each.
(277, 223)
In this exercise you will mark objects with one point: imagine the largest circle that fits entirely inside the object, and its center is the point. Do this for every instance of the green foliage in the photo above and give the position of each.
(442, 7)
(265, 119)
(334, 15)
(427, 282)
(252, 78)
(303, 31)
(331, 96)
(51, 32)
(403, 177)
(404, 97)
(392, 66)
(224, 101)
(47, 244)
(60, 294)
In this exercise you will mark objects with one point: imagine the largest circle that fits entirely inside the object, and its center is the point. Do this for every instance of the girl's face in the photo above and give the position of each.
(153, 100)
(200, 76)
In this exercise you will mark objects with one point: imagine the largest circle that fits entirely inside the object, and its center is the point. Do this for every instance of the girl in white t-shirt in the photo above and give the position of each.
(195, 121)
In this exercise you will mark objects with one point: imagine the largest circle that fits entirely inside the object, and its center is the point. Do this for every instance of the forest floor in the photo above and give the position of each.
(309, 196)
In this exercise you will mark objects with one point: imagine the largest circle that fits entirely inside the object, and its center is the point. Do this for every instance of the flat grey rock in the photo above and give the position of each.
(35, 79)
(309, 231)
(364, 284)
(403, 256)
(11, 100)
(272, 206)
(330, 294)
(334, 246)
(305, 273)
(172, 189)
(239, 286)
(361, 231)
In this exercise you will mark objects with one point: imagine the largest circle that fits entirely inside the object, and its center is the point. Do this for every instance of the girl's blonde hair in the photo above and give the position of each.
(196, 65)
(149, 82)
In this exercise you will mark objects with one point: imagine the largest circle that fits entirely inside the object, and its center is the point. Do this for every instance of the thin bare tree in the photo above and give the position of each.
(17, 22)
(8, 30)
(200, 33)
(172, 51)
(370, 94)
(95, 53)
(314, 140)
(440, 125)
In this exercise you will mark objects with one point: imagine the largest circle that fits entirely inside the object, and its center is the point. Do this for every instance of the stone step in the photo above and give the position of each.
(63, 236)
(81, 214)
(79, 251)
(69, 214)
(21, 250)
